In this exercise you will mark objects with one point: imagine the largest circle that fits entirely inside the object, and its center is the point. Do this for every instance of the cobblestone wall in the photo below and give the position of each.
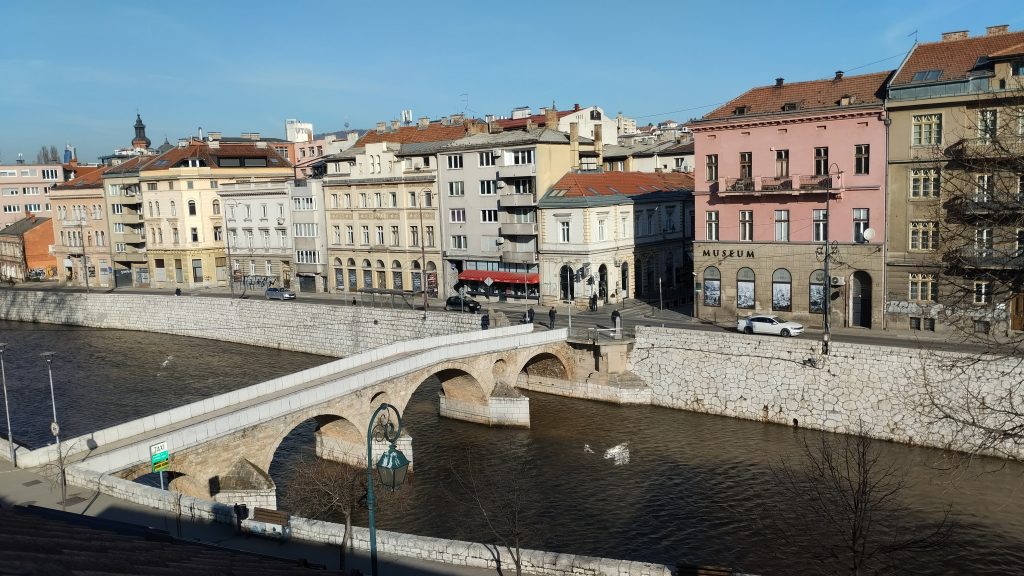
(313, 328)
(881, 390)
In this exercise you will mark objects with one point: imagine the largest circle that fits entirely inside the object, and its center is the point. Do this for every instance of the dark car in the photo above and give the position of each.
(280, 294)
(460, 303)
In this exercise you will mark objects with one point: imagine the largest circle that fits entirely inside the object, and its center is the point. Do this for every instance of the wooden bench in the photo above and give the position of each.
(269, 523)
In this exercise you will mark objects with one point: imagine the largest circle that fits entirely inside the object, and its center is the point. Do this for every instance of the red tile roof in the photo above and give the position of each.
(538, 120)
(93, 178)
(957, 57)
(433, 132)
(578, 185)
(209, 154)
(812, 95)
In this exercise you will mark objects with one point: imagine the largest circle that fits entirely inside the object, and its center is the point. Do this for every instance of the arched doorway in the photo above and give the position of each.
(602, 283)
(566, 282)
(624, 286)
(860, 299)
(431, 280)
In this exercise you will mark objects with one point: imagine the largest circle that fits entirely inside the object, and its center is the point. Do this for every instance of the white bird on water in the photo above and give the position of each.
(166, 362)
(588, 449)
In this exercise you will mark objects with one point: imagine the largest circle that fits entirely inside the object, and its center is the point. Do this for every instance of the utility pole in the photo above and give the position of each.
(827, 304)
(423, 252)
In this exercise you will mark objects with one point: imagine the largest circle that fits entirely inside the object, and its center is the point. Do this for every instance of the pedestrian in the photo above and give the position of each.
(485, 321)
(238, 518)
(551, 318)
(177, 291)
(593, 302)
(529, 315)
(616, 318)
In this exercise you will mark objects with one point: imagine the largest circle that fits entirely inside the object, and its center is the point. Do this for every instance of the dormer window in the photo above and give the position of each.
(790, 106)
(926, 76)
(741, 110)
(191, 163)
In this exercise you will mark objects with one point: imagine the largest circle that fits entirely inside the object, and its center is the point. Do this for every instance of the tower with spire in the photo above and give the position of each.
(140, 140)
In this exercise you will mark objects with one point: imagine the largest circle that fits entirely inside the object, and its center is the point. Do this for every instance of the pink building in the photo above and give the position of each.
(780, 171)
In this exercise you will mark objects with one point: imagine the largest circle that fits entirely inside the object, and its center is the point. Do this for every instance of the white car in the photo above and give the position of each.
(768, 325)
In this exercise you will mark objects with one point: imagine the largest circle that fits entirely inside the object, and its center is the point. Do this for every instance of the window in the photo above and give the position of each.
(820, 223)
(218, 233)
(303, 203)
(1019, 248)
(380, 235)
(983, 191)
(394, 236)
(33, 207)
(119, 208)
(563, 232)
(711, 168)
(983, 242)
(821, 161)
(378, 200)
(522, 156)
(213, 184)
(922, 324)
(190, 185)
(175, 238)
(782, 290)
(216, 207)
(305, 230)
(601, 229)
(430, 236)
(816, 292)
(366, 235)
(114, 190)
(982, 292)
(488, 215)
(268, 268)
(151, 186)
(488, 187)
(191, 207)
(170, 185)
(782, 163)
(926, 130)
(174, 209)
(711, 225)
(337, 234)
(486, 158)
(862, 158)
(456, 189)
(458, 242)
(457, 215)
(455, 162)
(265, 234)
(428, 199)
(746, 165)
(523, 185)
(394, 199)
(924, 235)
(923, 288)
(350, 234)
(307, 256)
(860, 224)
(49, 174)
(987, 125)
(362, 200)
(414, 235)
(924, 183)
(746, 225)
(712, 286)
(745, 288)
(194, 234)
(119, 247)
(782, 225)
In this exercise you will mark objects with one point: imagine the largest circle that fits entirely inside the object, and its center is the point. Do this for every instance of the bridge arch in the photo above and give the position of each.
(547, 364)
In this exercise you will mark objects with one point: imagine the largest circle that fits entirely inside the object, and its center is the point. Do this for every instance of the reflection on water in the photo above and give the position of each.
(696, 489)
(106, 377)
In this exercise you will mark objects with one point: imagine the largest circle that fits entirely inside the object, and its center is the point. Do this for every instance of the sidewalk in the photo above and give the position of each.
(25, 487)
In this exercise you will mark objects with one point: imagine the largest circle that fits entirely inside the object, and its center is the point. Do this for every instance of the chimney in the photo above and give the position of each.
(598, 144)
(457, 119)
(493, 127)
(529, 124)
(839, 74)
(423, 123)
(476, 128)
(575, 107)
(214, 136)
(381, 127)
(778, 82)
(395, 124)
(996, 30)
(957, 35)
(574, 145)
(551, 118)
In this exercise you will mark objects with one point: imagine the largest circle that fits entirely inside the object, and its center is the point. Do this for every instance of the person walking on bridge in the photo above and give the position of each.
(551, 317)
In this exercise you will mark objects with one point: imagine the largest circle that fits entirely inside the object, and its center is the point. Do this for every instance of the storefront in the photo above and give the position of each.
(500, 284)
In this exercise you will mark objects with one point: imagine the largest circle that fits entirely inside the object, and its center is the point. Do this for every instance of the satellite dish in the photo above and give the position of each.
(869, 234)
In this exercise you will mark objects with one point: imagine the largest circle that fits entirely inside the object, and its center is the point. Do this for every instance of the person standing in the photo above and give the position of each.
(485, 321)
(551, 318)
(529, 315)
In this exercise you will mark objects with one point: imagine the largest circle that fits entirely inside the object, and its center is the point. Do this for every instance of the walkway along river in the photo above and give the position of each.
(692, 488)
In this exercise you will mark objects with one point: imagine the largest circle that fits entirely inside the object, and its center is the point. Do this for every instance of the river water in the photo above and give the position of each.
(693, 488)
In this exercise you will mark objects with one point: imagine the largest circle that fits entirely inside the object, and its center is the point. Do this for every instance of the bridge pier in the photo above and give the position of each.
(350, 450)
(511, 410)
(245, 483)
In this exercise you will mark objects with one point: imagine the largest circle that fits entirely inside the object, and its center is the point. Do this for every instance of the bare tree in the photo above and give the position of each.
(853, 499)
(47, 155)
(499, 496)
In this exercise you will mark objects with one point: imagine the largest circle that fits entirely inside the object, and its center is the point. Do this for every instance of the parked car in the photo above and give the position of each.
(460, 303)
(37, 275)
(279, 294)
(765, 324)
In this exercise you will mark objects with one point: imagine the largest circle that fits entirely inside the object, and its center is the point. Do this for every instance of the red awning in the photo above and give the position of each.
(507, 277)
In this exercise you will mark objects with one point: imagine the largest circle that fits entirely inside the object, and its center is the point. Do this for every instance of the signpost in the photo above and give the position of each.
(160, 460)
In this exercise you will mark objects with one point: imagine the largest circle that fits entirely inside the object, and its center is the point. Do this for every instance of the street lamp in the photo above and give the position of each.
(392, 466)
(54, 427)
(826, 305)
(7, 408)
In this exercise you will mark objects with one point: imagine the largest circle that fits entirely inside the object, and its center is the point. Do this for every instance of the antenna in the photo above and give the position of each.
(407, 116)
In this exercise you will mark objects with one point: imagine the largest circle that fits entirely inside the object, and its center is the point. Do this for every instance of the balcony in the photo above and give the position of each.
(130, 255)
(989, 258)
(511, 199)
(516, 171)
(1004, 208)
(510, 254)
(130, 237)
(793, 185)
(974, 150)
(518, 229)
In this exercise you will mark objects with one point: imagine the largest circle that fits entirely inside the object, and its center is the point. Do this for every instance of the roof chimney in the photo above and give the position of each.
(996, 30)
(395, 124)
(839, 74)
(424, 122)
(574, 145)
(598, 144)
(381, 127)
(551, 118)
(779, 81)
(957, 35)
(575, 106)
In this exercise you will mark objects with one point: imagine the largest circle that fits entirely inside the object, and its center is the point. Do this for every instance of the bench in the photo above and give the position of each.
(269, 523)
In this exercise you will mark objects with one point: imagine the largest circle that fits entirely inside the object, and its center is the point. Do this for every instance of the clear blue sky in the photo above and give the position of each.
(76, 72)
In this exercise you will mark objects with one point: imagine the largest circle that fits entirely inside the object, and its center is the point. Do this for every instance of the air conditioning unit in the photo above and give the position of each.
(837, 281)
(280, 221)
(499, 241)
(499, 184)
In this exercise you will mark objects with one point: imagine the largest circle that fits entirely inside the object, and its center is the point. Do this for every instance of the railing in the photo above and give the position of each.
(987, 258)
(518, 229)
(794, 184)
(514, 199)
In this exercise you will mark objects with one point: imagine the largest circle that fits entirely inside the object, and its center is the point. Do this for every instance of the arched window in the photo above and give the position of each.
(367, 274)
(712, 286)
(174, 209)
(396, 275)
(816, 292)
(191, 207)
(158, 208)
(216, 207)
(150, 209)
(782, 290)
(745, 281)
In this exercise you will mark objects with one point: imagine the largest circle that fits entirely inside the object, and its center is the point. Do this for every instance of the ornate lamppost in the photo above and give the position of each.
(392, 466)
(55, 428)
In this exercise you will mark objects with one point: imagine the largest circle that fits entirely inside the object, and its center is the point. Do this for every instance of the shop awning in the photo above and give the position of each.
(506, 277)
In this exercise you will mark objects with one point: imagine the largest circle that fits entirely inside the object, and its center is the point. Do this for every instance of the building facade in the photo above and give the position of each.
(956, 182)
(81, 232)
(127, 221)
(258, 243)
(25, 188)
(25, 248)
(790, 203)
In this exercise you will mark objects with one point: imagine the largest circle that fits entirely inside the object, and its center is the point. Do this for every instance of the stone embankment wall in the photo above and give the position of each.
(883, 392)
(453, 552)
(313, 328)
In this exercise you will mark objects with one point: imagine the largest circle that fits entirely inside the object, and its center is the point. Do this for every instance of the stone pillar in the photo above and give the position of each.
(352, 451)
(494, 411)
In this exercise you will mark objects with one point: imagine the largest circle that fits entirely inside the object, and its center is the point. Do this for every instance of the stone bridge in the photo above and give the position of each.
(222, 447)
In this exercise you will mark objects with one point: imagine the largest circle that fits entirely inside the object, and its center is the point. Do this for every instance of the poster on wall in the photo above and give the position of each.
(817, 298)
(744, 294)
(712, 292)
(782, 297)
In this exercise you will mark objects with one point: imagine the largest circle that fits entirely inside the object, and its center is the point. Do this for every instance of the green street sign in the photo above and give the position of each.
(159, 456)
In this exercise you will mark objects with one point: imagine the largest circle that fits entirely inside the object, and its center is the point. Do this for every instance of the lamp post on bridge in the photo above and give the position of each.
(392, 466)
(55, 429)
(7, 408)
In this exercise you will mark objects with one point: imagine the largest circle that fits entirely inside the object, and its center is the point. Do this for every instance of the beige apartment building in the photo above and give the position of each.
(127, 223)
(81, 243)
(956, 232)
(185, 237)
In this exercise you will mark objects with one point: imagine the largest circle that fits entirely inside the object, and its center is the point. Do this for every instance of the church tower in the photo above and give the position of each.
(140, 140)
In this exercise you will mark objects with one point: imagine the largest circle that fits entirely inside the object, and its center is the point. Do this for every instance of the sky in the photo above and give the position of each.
(78, 72)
